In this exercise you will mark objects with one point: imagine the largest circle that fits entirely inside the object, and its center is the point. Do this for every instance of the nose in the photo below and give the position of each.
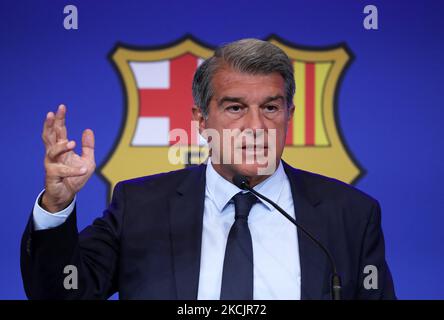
(254, 119)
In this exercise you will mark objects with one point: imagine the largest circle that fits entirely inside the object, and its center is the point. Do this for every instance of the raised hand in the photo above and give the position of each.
(66, 171)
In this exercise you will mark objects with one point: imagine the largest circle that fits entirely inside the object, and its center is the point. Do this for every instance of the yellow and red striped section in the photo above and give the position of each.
(307, 127)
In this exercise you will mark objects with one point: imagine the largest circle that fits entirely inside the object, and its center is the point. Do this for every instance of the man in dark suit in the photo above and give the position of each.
(193, 234)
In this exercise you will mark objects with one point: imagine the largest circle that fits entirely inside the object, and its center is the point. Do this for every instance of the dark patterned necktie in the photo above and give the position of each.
(237, 276)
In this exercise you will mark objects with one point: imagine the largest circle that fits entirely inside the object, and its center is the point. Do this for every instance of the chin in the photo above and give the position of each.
(250, 170)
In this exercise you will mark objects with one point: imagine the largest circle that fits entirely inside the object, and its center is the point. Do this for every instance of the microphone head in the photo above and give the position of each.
(241, 182)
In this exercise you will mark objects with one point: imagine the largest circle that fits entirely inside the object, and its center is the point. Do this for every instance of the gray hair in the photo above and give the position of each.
(251, 56)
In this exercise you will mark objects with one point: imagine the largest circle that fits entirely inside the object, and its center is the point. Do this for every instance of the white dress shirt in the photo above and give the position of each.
(277, 272)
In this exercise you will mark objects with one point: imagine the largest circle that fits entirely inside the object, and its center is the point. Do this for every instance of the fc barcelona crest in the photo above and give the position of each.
(157, 84)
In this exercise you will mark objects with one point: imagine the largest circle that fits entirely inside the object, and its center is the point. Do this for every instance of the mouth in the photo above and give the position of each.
(254, 147)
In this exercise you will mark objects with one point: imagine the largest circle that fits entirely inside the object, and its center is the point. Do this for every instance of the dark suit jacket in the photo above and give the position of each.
(147, 245)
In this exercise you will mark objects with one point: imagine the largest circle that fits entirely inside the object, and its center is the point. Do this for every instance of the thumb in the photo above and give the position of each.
(88, 144)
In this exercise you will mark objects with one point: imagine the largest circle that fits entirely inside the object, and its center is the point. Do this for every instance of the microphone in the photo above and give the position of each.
(242, 183)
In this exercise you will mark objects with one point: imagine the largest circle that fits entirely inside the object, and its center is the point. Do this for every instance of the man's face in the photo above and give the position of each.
(249, 103)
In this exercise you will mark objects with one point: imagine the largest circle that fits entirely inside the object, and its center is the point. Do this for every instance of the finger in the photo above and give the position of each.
(88, 142)
(59, 135)
(59, 148)
(63, 171)
(48, 134)
(61, 131)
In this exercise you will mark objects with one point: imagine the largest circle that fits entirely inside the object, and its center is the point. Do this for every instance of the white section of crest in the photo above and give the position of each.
(151, 75)
(199, 61)
(152, 131)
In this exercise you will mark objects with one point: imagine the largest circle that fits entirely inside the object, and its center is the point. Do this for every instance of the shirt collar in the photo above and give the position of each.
(221, 190)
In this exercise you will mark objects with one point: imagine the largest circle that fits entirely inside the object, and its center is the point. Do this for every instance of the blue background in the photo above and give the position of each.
(389, 105)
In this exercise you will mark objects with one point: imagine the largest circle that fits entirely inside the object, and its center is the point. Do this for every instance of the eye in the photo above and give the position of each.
(271, 108)
(234, 109)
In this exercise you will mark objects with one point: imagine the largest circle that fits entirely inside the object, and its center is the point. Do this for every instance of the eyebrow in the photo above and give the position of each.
(274, 98)
(229, 99)
(240, 100)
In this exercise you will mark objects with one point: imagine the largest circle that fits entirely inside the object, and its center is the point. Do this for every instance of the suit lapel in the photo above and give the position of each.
(186, 216)
(314, 263)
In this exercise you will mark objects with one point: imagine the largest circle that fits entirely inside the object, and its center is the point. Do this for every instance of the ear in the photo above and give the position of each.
(199, 117)
(290, 112)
